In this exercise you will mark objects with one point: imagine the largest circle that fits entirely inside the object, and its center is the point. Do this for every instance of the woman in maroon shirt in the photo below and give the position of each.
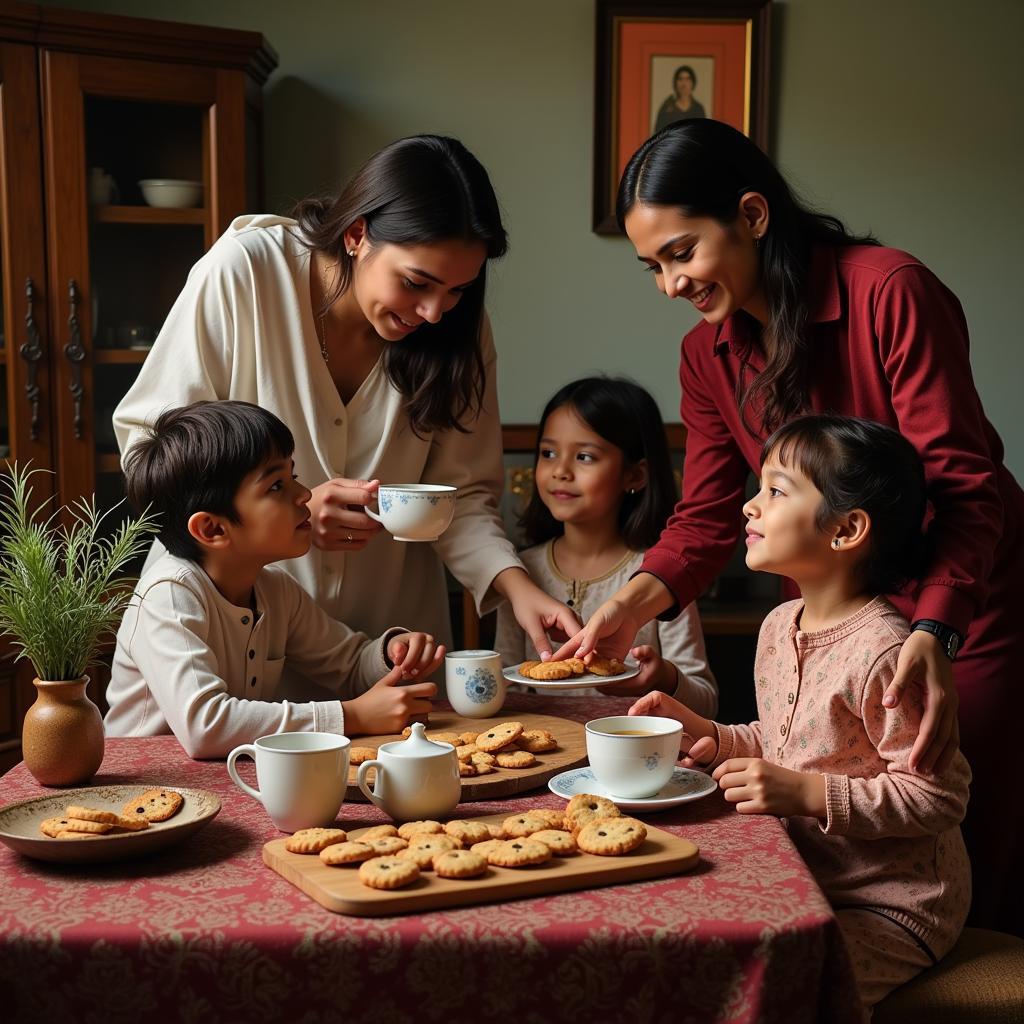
(801, 316)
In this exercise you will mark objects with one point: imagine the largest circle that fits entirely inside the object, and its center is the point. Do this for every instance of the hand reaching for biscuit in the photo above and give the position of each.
(418, 654)
(387, 706)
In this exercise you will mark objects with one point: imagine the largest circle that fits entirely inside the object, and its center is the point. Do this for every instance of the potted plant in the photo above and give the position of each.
(61, 595)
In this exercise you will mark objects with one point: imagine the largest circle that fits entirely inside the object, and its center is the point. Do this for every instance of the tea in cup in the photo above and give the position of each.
(302, 776)
(474, 683)
(416, 778)
(633, 756)
(415, 512)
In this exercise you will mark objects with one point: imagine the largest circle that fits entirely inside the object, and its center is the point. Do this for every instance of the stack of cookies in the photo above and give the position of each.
(390, 857)
(555, 671)
(79, 822)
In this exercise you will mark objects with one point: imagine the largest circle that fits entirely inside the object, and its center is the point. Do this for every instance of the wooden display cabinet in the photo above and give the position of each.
(90, 105)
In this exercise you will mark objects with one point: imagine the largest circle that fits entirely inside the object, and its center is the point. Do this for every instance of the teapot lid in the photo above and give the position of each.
(418, 745)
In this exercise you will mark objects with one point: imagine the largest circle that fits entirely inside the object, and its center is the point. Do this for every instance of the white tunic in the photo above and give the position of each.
(680, 641)
(243, 328)
(188, 661)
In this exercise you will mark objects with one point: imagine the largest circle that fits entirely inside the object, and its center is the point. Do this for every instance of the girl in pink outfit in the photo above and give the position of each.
(840, 512)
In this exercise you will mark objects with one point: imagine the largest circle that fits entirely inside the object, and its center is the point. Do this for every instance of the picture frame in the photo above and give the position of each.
(660, 60)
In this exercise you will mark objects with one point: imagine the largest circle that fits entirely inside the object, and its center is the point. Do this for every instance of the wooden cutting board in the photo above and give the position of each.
(571, 753)
(339, 889)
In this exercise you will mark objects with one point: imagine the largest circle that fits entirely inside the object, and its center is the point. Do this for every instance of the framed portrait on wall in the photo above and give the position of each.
(658, 62)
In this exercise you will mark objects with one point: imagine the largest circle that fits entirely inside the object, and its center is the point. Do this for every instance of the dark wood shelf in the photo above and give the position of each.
(129, 356)
(148, 215)
(3, 357)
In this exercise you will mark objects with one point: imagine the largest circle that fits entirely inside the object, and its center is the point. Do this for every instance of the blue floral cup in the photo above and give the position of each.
(475, 684)
(415, 512)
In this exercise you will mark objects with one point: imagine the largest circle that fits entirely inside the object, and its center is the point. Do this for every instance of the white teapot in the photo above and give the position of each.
(416, 778)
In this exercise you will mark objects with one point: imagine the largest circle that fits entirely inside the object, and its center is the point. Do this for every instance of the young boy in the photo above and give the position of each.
(202, 646)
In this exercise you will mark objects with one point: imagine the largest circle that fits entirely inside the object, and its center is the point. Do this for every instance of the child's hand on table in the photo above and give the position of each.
(388, 705)
(418, 654)
(757, 786)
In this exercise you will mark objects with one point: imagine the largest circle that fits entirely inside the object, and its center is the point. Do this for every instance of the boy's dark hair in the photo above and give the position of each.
(858, 463)
(194, 459)
(625, 415)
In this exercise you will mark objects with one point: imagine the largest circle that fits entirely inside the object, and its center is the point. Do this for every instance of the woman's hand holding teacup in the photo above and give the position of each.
(417, 654)
(337, 517)
(388, 705)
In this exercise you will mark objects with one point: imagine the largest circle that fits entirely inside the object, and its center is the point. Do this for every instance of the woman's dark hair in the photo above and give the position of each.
(861, 464)
(194, 459)
(679, 71)
(419, 190)
(702, 168)
(625, 415)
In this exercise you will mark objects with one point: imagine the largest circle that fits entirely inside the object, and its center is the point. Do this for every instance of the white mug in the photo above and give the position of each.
(415, 512)
(633, 755)
(416, 778)
(302, 776)
(474, 683)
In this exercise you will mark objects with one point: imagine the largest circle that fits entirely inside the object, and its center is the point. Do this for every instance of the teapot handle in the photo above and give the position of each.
(365, 786)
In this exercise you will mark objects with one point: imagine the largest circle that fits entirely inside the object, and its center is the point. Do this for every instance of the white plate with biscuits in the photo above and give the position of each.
(574, 680)
(109, 822)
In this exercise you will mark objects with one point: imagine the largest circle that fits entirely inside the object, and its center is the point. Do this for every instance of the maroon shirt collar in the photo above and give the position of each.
(823, 298)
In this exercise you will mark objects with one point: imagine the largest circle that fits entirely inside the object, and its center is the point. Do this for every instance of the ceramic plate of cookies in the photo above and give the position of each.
(571, 673)
(104, 823)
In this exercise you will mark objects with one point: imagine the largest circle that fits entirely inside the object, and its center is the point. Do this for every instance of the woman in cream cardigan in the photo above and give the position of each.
(361, 324)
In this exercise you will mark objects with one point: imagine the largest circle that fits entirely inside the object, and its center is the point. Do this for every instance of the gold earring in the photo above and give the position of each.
(352, 253)
(836, 542)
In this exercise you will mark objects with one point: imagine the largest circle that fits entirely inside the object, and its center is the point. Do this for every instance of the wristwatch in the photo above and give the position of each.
(948, 637)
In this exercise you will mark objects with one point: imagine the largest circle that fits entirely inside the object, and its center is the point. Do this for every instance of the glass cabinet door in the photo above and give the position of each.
(136, 160)
(26, 433)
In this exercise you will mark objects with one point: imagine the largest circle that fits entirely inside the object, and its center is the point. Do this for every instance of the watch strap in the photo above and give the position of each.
(950, 639)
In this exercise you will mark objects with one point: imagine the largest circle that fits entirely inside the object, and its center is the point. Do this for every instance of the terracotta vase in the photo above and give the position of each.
(62, 739)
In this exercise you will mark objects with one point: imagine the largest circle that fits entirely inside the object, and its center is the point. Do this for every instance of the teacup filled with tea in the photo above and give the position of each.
(632, 756)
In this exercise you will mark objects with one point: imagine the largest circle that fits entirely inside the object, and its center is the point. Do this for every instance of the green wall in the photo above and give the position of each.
(902, 116)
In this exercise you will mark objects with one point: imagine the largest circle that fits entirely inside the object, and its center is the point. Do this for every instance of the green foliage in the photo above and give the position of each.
(60, 592)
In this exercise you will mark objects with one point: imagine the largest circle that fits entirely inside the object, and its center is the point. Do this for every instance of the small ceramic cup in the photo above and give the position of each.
(633, 755)
(474, 683)
(415, 512)
(302, 777)
(416, 778)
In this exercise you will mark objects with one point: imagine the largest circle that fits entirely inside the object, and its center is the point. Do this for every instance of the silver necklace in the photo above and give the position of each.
(322, 337)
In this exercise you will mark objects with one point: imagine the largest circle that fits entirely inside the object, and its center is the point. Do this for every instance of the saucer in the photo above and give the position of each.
(573, 682)
(684, 786)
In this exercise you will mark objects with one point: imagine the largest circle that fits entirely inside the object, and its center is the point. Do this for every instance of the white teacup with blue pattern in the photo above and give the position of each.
(633, 755)
(415, 512)
(475, 685)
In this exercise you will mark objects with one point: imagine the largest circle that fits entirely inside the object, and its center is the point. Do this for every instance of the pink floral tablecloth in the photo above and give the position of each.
(205, 932)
